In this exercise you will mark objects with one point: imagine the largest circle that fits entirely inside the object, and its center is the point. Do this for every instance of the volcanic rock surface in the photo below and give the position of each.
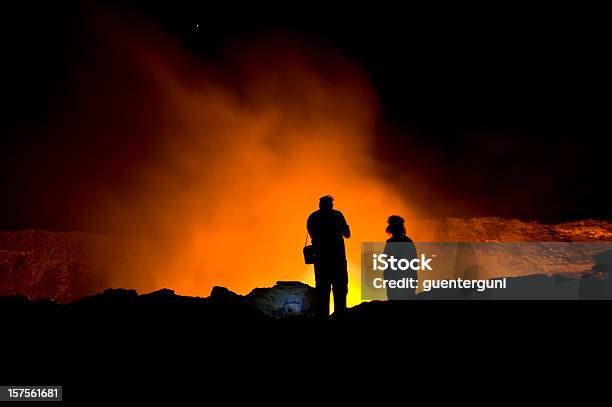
(64, 266)
(285, 299)
(510, 230)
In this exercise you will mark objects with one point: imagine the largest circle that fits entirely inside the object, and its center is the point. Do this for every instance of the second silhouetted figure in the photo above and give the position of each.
(328, 228)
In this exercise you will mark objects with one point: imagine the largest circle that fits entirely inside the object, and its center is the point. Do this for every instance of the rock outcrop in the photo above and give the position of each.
(285, 299)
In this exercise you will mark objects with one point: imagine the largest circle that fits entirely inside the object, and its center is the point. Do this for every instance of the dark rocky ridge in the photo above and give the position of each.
(287, 299)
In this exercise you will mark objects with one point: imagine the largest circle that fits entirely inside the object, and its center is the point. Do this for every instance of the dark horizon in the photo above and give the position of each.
(496, 113)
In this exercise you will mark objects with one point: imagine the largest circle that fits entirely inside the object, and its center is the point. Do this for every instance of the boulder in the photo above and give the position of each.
(285, 299)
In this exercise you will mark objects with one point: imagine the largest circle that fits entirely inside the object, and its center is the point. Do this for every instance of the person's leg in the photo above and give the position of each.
(340, 288)
(322, 288)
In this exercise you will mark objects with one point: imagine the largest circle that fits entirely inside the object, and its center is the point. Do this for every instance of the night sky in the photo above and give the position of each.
(504, 112)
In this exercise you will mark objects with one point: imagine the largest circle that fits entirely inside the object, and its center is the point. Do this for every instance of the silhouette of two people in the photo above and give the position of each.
(328, 229)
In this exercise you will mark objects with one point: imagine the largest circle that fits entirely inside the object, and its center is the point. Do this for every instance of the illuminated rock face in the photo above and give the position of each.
(68, 266)
(285, 299)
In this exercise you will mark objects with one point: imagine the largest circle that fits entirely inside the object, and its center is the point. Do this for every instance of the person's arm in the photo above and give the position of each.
(346, 231)
(310, 226)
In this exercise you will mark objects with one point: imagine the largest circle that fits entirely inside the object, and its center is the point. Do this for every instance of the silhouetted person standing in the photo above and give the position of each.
(328, 228)
(399, 246)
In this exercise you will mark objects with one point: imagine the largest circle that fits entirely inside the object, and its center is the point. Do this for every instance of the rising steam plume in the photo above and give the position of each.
(228, 158)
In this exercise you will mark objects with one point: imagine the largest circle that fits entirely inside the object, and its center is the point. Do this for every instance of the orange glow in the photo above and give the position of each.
(240, 161)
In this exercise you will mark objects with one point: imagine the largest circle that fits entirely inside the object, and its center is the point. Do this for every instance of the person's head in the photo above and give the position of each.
(396, 225)
(326, 202)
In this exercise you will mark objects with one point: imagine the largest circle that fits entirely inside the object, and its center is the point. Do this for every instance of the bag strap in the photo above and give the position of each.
(306, 241)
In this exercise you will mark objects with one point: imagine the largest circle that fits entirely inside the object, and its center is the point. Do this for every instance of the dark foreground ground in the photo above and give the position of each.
(119, 346)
